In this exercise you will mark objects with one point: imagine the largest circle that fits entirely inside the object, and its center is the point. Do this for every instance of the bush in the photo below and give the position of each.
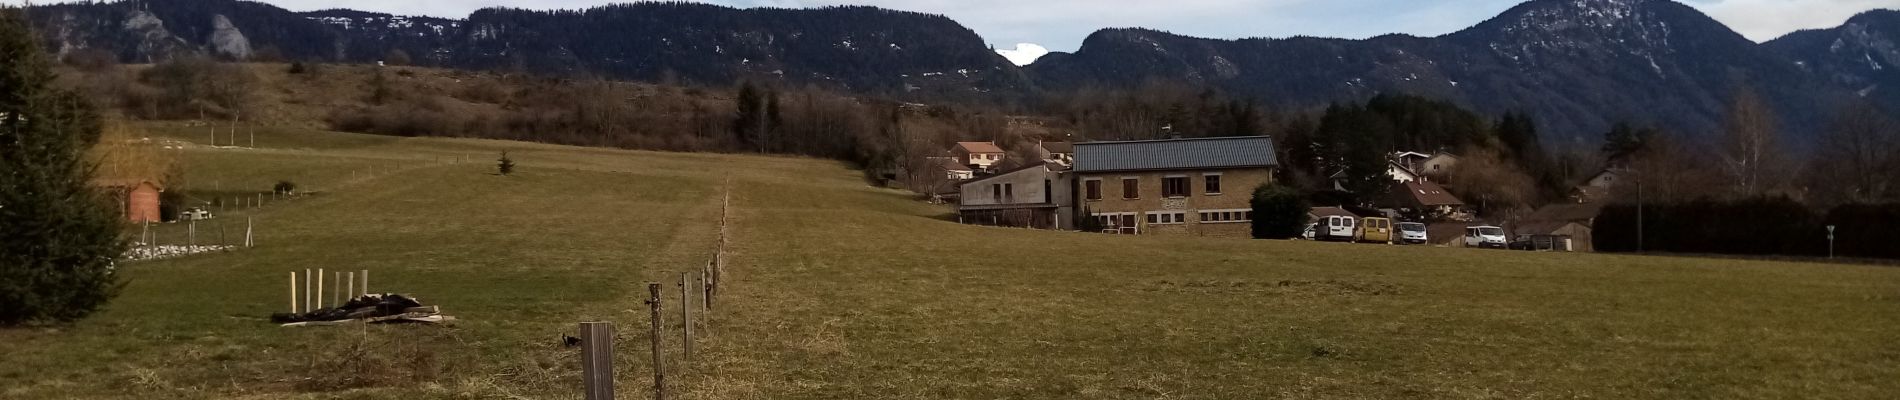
(1279, 212)
(285, 188)
(505, 165)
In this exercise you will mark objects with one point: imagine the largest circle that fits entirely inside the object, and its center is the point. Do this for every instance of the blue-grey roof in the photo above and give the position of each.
(1206, 153)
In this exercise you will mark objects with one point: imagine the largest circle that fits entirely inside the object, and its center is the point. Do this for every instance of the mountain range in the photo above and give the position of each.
(1577, 65)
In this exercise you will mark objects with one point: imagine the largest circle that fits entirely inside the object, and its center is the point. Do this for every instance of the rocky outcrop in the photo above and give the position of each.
(226, 40)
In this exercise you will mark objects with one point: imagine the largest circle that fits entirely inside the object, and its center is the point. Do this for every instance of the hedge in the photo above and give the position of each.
(1763, 226)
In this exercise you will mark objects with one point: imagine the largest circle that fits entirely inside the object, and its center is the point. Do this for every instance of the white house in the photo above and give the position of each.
(953, 170)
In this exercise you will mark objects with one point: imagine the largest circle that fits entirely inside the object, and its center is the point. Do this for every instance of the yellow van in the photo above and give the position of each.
(1376, 230)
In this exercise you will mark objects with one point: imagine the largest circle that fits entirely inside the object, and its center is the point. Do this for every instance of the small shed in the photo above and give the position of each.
(139, 198)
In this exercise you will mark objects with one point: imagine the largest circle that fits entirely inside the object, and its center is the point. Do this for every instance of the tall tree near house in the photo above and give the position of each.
(1858, 158)
(1355, 143)
(1623, 141)
(59, 237)
(1750, 145)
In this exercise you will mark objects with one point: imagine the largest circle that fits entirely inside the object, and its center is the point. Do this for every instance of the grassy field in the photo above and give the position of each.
(838, 290)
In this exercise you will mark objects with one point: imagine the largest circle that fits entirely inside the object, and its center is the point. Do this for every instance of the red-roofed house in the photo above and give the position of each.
(981, 155)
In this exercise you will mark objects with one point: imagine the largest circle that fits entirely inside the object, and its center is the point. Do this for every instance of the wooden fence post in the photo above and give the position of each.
(597, 360)
(319, 288)
(306, 290)
(293, 292)
(659, 358)
(365, 282)
(686, 319)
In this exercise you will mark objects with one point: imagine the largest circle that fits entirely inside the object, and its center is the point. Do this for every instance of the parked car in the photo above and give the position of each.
(1337, 228)
(1487, 236)
(194, 214)
(1523, 242)
(1376, 230)
(1413, 233)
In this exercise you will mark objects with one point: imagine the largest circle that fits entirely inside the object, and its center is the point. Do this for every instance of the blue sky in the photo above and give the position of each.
(1062, 24)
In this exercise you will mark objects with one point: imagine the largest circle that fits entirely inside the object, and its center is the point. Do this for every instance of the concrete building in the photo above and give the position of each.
(1034, 196)
(1199, 187)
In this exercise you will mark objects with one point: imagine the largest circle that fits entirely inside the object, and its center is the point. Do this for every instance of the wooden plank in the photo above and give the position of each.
(597, 360)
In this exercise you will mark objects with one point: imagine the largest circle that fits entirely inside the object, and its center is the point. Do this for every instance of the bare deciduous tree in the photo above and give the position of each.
(1486, 181)
(1857, 157)
(1751, 149)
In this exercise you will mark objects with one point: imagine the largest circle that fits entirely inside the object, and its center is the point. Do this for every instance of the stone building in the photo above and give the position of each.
(1197, 187)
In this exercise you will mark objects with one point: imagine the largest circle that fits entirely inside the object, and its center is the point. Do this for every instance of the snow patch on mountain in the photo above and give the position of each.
(1024, 53)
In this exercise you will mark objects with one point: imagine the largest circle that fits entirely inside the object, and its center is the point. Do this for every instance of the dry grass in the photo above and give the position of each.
(836, 290)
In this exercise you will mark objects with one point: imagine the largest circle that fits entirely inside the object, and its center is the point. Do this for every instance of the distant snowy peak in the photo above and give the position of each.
(1024, 53)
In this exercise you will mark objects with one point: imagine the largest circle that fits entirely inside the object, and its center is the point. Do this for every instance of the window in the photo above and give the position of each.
(1174, 186)
(1167, 217)
(1009, 191)
(1131, 188)
(1225, 216)
(1213, 183)
(996, 192)
(1093, 189)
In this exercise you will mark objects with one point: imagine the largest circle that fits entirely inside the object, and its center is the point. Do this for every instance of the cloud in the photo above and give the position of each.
(1024, 53)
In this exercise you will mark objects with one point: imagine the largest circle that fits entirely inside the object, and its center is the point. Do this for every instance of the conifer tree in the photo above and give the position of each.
(59, 237)
(505, 165)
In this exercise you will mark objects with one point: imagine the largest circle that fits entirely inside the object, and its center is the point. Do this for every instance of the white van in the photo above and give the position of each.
(1487, 236)
(1338, 228)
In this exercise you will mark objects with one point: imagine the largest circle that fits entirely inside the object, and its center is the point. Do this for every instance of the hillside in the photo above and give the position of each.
(1862, 55)
(860, 48)
(1577, 65)
(839, 290)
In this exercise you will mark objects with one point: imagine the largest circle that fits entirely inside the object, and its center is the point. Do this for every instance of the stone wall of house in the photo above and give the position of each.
(1236, 191)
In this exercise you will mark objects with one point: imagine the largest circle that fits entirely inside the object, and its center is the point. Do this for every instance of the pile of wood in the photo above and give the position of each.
(371, 309)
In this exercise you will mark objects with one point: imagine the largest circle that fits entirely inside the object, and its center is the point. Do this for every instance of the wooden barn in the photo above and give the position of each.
(139, 198)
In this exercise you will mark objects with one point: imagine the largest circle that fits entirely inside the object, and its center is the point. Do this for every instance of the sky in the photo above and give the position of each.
(1060, 25)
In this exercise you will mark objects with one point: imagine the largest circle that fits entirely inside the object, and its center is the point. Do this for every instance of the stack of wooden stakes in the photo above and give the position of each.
(345, 287)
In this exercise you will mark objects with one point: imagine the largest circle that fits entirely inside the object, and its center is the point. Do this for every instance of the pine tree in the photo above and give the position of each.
(59, 237)
(505, 165)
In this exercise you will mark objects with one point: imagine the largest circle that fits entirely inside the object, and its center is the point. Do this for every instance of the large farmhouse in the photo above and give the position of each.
(1196, 187)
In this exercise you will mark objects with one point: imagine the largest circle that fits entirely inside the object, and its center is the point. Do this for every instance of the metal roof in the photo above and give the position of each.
(1221, 152)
